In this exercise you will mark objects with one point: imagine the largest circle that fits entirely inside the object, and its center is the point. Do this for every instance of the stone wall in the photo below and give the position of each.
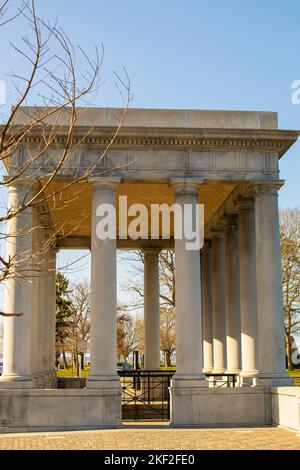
(286, 407)
(221, 407)
(46, 410)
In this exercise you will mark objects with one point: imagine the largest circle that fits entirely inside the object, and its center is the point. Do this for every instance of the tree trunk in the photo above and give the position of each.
(290, 354)
(65, 360)
(288, 347)
(78, 374)
(167, 359)
(57, 356)
(82, 361)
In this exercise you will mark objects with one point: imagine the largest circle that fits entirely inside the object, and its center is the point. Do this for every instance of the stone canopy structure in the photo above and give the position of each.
(229, 313)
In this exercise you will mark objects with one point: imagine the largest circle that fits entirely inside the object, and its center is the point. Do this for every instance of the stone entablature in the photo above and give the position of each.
(158, 144)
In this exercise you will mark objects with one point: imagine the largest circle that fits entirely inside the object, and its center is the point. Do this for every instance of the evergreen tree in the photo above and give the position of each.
(63, 314)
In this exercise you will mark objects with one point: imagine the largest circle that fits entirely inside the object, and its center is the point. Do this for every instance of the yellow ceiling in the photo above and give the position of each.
(70, 206)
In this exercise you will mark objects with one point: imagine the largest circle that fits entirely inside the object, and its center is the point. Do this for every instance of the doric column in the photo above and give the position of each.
(270, 317)
(189, 362)
(151, 309)
(40, 260)
(50, 292)
(17, 371)
(232, 280)
(248, 298)
(37, 310)
(218, 303)
(206, 277)
(43, 299)
(103, 342)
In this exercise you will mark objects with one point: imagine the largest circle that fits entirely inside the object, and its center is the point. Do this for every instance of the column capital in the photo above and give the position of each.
(229, 221)
(266, 187)
(217, 233)
(51, 237)
(186, 185)
(104, 182)
(207, 243)
(20, 184)
(19, 180)
(151, 251)
(245, 203)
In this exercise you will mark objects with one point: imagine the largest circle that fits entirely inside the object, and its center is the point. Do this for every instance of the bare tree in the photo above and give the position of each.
(290, 253)
(167, 334)
(167, 299)
(51, 74)
(166, 279)
(79, 327)
(131, 337)
(122, 318)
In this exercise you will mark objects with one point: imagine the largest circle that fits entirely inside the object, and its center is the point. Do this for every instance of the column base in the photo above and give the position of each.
(45, 379)
(248, 381)
(189, 381)
(233, 371)
(207, 370)
(17, 381)
(218, 371)
(248, 378)
(182, 390)
(248, 373)
(273, 380)
(50, 379)
(103, 381)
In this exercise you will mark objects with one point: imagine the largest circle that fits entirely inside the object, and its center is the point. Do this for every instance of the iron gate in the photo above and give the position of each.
(145, 394)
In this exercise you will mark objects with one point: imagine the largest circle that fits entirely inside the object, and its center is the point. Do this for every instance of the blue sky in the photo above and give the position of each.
(215, 54)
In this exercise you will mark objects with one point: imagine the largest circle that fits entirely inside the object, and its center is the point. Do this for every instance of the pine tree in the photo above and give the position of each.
(63, 314)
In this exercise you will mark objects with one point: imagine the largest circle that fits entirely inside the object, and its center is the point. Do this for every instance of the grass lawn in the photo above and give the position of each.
(295, 374)
(85, 373)
(72, 372)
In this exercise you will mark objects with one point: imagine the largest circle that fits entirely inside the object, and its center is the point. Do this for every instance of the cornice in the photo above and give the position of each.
(277, 141)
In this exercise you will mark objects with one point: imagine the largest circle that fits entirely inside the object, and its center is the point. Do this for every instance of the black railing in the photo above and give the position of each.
(223, 380)
(145, 394)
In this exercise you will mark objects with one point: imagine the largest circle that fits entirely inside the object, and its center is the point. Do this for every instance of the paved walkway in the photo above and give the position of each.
(133, 438)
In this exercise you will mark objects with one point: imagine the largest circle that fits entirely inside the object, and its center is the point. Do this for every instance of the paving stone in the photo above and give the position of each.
(155, 439)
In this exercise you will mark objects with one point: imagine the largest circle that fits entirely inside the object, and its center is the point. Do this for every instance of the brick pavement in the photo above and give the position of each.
(163, 438)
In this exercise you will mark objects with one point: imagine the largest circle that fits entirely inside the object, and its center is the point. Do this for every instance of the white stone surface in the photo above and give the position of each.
(189, 356)
(248, 286)
(232, 281)
(271, 346)
(219, 304)
(151, 310)
(30, 410)
(221, 407)
(151, 117)
(103, 342)
(286, 407)
(206, 279)
(50, 305)
(18, 340)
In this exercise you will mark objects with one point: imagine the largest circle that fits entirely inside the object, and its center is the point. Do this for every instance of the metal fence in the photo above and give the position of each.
(145, 394)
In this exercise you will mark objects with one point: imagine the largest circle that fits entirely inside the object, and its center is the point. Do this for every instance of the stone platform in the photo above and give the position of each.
(54, 409)
(26, 410)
